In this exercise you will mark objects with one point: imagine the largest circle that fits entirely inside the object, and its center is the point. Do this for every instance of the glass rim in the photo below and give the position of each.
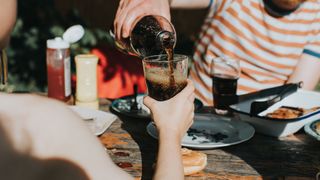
(226, 58)
(157, 58)
(229, 62)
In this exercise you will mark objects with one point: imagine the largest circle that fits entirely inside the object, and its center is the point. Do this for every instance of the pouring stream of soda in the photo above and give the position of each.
(167, 42)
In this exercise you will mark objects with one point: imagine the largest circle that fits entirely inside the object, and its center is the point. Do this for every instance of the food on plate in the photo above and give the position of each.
(287, 112)
(193, 161)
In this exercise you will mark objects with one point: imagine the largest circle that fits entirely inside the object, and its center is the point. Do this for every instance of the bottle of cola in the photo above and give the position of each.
(150, 35)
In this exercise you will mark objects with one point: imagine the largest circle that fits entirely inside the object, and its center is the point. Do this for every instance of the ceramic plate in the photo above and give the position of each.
(310, 129)
(97, 121)
(122, 106)
(208, 132)
(281, 127)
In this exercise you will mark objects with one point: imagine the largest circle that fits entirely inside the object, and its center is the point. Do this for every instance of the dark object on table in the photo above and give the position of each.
(134, 106)
(216, 137)
(283, 91)
(124, 105)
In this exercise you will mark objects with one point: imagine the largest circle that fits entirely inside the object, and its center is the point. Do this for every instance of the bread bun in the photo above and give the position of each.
(193, 161)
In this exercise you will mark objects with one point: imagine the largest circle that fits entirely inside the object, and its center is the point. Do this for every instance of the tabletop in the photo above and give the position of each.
(262, 157)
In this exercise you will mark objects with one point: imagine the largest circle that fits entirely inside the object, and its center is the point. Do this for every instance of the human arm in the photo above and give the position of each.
(47, 128)
(129, 10)
(308, 71)
(7, 20)
(308, 68)
(190, 4)
(172, 118)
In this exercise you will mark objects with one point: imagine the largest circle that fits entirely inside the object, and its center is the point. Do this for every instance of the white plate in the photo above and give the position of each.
(217, 133)
(100, 120)
(281, 127)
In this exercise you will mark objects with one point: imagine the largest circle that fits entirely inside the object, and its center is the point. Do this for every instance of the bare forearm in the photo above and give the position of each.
(189, 4)
(307, 70)
(169, 164)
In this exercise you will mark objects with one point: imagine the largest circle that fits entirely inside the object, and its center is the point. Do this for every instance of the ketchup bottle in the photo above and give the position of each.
(58, 69)
(58, 63)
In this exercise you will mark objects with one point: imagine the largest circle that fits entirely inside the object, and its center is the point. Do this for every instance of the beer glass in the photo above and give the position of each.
(165, 78)
(225, 72)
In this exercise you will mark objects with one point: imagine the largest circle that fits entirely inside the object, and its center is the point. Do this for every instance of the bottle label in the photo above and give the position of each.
(67, 77)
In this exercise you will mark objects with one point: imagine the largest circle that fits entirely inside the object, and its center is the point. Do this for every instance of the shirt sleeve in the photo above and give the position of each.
(313, 46)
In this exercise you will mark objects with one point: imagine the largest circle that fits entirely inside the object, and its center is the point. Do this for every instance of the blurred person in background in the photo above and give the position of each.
(276, 41)
(41, 138)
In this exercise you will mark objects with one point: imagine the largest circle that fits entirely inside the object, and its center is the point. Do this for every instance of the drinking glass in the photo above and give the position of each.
(225, 72)
(165, 78)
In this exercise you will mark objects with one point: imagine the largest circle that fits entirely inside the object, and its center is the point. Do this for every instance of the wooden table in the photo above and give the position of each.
(262, 157)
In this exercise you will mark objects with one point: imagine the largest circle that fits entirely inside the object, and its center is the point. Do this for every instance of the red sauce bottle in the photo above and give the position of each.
(58, 69)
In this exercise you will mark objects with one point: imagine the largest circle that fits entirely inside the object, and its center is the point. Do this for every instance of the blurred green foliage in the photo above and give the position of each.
(318, 87)
(39, 20)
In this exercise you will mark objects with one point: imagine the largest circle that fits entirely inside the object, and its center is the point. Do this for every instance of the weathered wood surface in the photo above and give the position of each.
(262, 157)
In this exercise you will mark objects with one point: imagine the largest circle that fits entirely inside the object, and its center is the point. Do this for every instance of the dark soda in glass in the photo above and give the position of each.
(161, 88)
(165, 78)
(224, 90)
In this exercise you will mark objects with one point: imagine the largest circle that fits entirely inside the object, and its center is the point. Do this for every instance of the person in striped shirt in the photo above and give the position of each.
(276, 41)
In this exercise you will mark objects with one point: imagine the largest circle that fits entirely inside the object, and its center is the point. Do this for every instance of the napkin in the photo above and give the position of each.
(97, 121)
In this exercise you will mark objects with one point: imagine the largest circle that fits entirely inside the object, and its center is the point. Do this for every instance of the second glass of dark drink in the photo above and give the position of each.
(225, 73)
(165, 78)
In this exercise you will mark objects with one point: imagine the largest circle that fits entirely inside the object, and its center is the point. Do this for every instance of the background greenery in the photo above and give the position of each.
(39, 20)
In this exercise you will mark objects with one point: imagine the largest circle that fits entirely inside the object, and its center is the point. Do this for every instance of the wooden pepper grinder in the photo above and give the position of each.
(86, 89)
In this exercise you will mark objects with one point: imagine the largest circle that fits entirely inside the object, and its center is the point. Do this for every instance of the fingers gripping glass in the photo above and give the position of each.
(3, 67)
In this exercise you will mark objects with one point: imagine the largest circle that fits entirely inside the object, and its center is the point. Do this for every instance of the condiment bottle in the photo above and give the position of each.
(150, 35)
(86, 91)
(58, 63)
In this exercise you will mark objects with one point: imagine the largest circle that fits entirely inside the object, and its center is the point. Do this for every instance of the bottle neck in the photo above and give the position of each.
(166, 39)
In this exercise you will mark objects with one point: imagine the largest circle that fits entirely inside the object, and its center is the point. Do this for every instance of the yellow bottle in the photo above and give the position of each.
(86, 89)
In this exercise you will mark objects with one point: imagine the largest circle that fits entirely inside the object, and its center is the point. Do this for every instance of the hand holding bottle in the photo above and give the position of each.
(130, 10)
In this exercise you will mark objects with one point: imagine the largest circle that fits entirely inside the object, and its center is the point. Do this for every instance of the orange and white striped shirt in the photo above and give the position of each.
(268, 48)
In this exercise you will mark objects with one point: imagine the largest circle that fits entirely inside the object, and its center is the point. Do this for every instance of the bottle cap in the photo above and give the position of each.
(57, 43)
(73, 34)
